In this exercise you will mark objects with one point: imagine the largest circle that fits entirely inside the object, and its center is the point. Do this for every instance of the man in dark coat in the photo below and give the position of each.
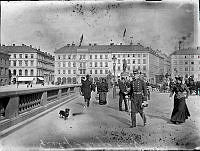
(123, 90)
(138, 93)
(197, 86)
(86, 90)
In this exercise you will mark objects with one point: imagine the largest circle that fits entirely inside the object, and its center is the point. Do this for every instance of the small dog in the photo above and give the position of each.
(65, 113)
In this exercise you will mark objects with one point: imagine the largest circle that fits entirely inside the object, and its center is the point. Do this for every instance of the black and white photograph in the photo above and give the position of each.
(100, 75)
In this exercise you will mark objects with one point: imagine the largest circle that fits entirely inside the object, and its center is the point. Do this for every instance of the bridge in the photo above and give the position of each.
(30, 120)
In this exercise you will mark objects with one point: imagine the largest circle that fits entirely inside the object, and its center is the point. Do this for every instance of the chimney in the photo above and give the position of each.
(13, 44)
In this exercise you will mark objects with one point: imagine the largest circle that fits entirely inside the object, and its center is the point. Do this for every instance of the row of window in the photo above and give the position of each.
(186, 56)
(82, 57)
(23, 63)
(83, 64)
(187, 69)
(144, 68)
(83, 71)
(4, 62)
(129, 55)
(26, 72)
(4, 71)
(185, 62)
(23, 56)
(133, 61)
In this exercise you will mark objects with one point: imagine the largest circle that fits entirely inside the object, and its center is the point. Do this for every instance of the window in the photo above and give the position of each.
(14, 63)
(186, 68)
(32, 72)
(32, 62)
(26, 62)
(64, 56)
(192, 68)
(81, 65)
(90, 64)
(144, 55)
(128, 67)
(106, 71)
(133, 55)
(84, 64)
(83, 56)
(144, 68)
(138, 61)
(83, 71)
(133, 61)
(74, 56)
(138, 55)
(95, 64)
(59, 57)
(20, 62)
(14, 72)
(118, 68)
(58, 64)
(64, 64)
(128, 55)
(192, 56)
(69, 56)
(32, 55)
(124, 55)
(26, 72)
(20, 55)
(74, 71)
(144, 61)
(106, 64)
(74, 64)
(101, 57)
(118, 55)
(20, 72)
(128, 61)
(185, 56)
(138, 67)
(26, 56)
(15, 56)
(90, 56)
(118, 61)
(101, 71)
(63, 71)
(90, 71)
(192, 62)
(101, 64)
(106, 56)
(69, 71)
(58, 71)
(186, 62)
(133, 67)
(95, 56)
(69, 64)
(95, 71)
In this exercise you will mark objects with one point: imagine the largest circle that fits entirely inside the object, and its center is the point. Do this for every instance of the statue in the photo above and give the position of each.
(124, 65)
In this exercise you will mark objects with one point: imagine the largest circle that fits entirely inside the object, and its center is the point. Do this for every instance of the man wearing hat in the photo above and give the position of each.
(138, 93)
(86, 89)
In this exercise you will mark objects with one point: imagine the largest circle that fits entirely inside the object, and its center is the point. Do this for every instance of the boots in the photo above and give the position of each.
(133, 120)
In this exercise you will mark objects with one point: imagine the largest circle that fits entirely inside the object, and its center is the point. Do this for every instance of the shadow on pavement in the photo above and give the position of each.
(75, 114)
(120, 119)
(160, 117)
(113, 107)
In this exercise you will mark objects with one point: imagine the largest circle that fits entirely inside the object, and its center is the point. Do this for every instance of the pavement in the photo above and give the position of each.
(105, 127)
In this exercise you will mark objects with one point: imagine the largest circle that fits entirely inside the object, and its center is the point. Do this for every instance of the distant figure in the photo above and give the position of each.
(86, 90)
(198, 88)
(124, 65)
(180, 112)
(103, 89)
(122, 94)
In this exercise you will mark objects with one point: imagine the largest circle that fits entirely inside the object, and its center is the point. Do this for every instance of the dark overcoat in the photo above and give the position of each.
(86, 89)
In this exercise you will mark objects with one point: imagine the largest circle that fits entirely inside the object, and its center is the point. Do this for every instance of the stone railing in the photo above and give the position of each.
(16, 106)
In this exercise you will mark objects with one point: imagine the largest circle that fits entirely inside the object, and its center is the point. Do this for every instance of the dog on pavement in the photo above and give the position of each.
(64, 113)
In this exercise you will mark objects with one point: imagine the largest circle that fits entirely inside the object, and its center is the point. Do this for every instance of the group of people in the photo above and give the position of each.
(101, 86)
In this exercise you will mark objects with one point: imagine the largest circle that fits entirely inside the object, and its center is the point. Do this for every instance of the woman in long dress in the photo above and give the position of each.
(180, 111)
(103, 92)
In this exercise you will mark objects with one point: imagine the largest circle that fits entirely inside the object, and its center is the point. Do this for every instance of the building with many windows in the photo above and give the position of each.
(30, 64)
(72, 62)
(186, 62)
(4, 68)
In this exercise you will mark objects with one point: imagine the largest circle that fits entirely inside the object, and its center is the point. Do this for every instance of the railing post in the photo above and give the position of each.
(12, 109)
(44, 98)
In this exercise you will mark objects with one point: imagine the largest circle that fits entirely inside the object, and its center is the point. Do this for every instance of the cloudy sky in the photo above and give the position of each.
(51, 25)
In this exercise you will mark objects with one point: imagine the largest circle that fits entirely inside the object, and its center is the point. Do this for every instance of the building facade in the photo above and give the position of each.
(30, 64)
(72, 62)
(186, 62)
(4, 68)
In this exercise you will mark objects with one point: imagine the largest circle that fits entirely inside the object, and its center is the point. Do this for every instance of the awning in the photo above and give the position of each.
(25, 79)
(40, 78)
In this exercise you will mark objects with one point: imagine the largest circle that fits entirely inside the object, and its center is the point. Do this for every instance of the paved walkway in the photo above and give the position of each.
(106, 127)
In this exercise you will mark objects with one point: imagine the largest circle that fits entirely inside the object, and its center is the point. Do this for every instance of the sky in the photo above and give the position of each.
(50, 25)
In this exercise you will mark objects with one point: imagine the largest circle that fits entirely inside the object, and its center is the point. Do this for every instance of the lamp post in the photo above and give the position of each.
(114, 65)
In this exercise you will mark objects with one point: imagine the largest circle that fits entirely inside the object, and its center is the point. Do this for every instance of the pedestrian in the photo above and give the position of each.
(122, 94)
(180, 111)
(138, 93)
(197, 86)
(103, 92)
(86, 90)
(171, 84)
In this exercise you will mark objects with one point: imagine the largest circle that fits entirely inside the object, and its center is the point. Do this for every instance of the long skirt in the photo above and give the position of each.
(102, 98)
(180, 112)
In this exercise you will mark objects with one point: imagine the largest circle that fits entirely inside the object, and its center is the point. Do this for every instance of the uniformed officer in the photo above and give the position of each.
(138, 93)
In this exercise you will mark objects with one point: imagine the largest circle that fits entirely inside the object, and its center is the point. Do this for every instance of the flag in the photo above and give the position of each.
(81, 40)
(124, 32)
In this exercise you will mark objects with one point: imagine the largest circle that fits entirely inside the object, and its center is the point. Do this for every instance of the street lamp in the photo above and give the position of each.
(114, 67)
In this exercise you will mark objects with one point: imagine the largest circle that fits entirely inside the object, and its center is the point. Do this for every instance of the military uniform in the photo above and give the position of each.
(138, 93)
(123, 90)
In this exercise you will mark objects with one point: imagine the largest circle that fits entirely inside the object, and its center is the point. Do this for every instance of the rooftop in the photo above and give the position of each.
(188, 51)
